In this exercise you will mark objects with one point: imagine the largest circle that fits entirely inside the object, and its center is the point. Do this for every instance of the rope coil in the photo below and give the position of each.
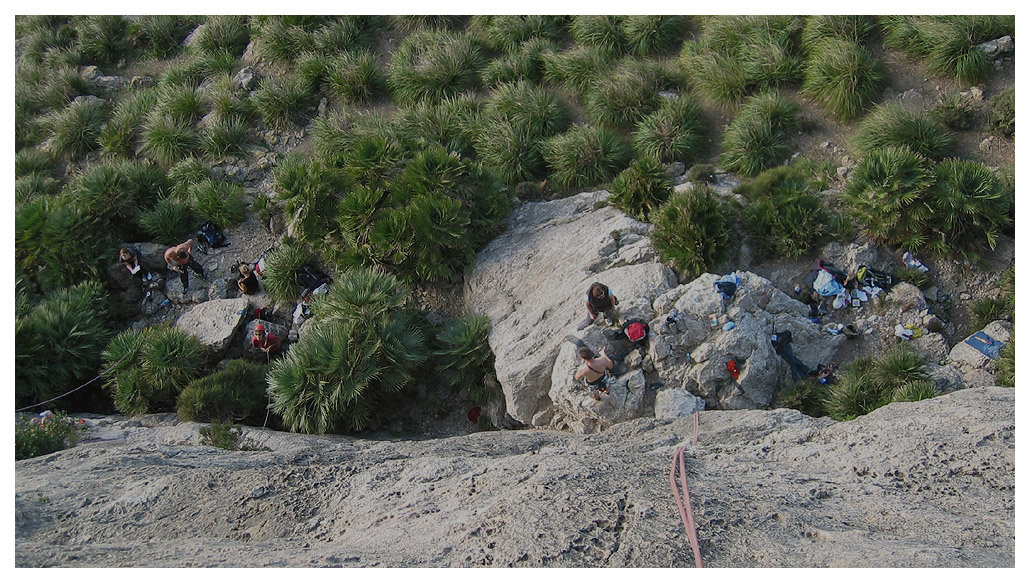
(681, 494)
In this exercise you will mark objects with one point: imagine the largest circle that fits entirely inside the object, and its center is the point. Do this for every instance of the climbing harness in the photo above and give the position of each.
(682, 496)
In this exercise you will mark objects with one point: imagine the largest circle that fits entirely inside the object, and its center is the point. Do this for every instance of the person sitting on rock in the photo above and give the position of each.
(267, 343)
(133, 261)
(595, 370)
(179, 258)
(247, 282)
(600, 301)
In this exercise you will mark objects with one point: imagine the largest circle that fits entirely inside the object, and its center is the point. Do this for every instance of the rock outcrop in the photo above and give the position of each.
(924, 484)
(214, 323)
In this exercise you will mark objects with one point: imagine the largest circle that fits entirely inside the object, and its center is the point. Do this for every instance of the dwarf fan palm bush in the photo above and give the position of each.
(122, 133)
(641, 188)
(869, 383)
(32, 161)
(463, 357)
(969, 211)
(585, 156)
(673, 133)
(363, 346)
(146, 369)
(184, 174)
(691, 233)
(1001, 113)
(58, 342)
(309, 191)
(451, 122)
(895, 125)
(885, 191)
(58, 242)
(432, 65)
(237, 392)
(844, 77)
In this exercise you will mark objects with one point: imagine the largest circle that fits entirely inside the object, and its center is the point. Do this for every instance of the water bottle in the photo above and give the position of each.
(164, 303)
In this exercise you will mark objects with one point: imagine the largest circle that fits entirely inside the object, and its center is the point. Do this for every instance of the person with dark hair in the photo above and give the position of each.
(247, 281)
(600, 301)
(179, 258)
(595, 371)
(132, 259)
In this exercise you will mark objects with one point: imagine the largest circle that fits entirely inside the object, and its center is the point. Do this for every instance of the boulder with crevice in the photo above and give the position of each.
(214, 322)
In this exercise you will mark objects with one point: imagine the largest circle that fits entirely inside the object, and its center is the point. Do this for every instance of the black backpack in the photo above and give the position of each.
(211, 235)
(310, 278)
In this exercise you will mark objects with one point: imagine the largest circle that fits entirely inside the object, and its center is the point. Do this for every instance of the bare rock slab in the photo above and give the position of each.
(214, 322)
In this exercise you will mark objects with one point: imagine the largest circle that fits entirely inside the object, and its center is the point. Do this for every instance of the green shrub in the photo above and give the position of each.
(783, 217)
(577, 68)
(1007, 363)
(845, 27)
(988, 309)
(58, 242)
(757, 137)
(312, 69)
(32, 161)
(75, 130)
(641, 188)
(31, 439)
(805, 395)
(223, 33)
(915, 391)
(422, 22)
(167, 141)
(948, 43)
(280, 274)
(362, 347)
(691, 233)
(1001, 114)
(347, 33)
(885, 191)
(226, 101)
(464, 359)
(34, 185)
(235, 393)
(184, 174)
(150, 367)
(183, 104)
(355, 78)
(161, 36)
(58, 343)
(622, 98)
(122, 133)
(505, 33)
(968, 209)
(283, 103)
(511, 150)
(116, 190)
(585, 156)
(451, 122)
(372, 159)
(102, 39)
(432, 65)
(601, 31)
(844, 77)
(894, 125)
(227, 135)
(916, 277)
(955, 112)
(868, 383)
(719, 78)
(648, 35)
(219, 202)
(702, 173)
(280, 43)
(168, 223)
(675, 132)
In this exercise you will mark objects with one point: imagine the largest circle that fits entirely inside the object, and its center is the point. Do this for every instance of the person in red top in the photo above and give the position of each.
(267, 343)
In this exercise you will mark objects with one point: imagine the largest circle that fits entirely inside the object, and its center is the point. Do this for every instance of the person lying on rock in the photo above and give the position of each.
(267, 343)
(179, 258)
(600, 301)
(595, 371)
(247, 281)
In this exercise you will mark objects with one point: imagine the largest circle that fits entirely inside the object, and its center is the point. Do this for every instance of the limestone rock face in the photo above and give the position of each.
(213, 322)
(924, 484)
(532, 281)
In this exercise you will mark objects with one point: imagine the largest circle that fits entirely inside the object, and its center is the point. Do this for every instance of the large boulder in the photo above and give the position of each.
(694, 355)
(976, 368)
(214, 322)
(531, 283)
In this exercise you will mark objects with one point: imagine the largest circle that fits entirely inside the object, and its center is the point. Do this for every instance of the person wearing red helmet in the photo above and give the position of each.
(266, 342)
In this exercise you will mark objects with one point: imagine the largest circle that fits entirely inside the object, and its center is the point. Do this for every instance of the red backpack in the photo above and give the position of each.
(636, 331)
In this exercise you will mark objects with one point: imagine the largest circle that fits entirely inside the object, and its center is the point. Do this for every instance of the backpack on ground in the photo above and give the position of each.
(310, 278)
(211, 236)
(636, 331)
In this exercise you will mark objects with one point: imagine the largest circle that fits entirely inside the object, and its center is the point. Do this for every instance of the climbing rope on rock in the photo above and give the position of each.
(681, 494)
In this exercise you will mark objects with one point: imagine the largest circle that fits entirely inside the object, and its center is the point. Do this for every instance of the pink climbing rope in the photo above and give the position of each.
(682, 497)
